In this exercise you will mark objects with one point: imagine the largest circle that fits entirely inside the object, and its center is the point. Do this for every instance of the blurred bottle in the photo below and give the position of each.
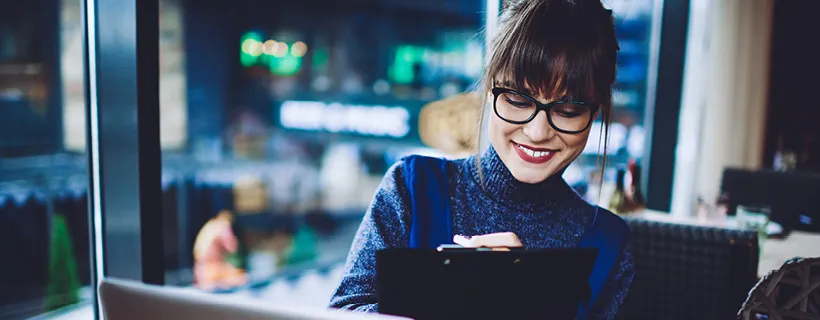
(616, 201)
(634, 193)
(628, 196)
(250, 195)
(248, 135)
(721, 208)
(702, 209)
(784, 160)
(713, 213)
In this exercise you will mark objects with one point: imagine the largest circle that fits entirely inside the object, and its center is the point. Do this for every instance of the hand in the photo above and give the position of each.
(501, 240)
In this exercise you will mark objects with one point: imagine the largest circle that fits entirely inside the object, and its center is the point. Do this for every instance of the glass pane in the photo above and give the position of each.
(44, 228)
(279, 122)
(633, 25)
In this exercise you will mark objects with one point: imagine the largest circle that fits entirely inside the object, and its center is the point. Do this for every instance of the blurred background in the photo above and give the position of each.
(283, 116)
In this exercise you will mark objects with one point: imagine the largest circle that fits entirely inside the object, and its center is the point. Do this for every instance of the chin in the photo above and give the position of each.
(530, 176)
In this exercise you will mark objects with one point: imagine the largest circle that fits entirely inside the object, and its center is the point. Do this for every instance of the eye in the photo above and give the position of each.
(516, 100)
(569, 110)
(518, 103)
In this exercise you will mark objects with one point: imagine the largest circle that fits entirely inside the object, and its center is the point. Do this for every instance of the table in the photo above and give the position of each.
(774, 252)
(778, 251)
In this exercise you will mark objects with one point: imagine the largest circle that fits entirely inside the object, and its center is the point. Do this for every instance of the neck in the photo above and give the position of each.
(500, 184)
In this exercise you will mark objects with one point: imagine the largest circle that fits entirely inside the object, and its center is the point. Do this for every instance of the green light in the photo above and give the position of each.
(320, 58)
(285, 66)
(265, 60)
(402, 69)
(251, 48)
(247, 60)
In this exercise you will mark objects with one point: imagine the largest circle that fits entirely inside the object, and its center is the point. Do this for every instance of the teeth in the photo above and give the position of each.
(532, 153)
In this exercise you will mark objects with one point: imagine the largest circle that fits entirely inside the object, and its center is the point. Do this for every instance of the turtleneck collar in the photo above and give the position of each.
(499, 184)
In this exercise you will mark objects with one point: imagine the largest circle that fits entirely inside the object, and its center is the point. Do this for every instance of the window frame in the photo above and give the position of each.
(121, 42)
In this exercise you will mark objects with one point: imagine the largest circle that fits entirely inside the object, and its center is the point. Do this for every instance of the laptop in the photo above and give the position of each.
(127, 300)
(427, 284)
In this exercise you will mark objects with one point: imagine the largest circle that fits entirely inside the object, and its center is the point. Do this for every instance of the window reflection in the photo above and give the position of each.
(44, 236)
(293, 115)
(625, 144)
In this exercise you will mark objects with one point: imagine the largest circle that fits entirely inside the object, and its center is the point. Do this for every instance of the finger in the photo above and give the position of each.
(462, 240)
(501, 239)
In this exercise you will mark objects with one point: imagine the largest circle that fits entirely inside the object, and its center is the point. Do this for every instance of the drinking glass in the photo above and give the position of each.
(754, 218)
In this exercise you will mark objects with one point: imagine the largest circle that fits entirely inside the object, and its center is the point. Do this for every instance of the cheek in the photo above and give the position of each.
(575, 142)
(500, 130)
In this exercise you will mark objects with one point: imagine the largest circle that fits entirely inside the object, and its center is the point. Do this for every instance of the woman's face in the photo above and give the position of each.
(534, 151)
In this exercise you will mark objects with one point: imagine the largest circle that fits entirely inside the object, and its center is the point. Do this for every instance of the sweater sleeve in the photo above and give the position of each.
(385, 225)
(615, 290)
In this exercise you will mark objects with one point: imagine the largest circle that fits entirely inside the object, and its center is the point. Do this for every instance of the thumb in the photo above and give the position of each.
(501, 239)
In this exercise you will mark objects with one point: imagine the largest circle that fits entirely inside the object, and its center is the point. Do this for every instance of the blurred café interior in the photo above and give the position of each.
(276, 122)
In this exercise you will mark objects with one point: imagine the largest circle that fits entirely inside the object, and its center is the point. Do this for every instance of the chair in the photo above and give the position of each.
(792, 292)
(689, 272)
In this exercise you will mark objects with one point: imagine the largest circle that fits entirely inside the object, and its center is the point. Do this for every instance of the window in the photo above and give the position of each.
(634, 20)
(279, 122)
(44, 227)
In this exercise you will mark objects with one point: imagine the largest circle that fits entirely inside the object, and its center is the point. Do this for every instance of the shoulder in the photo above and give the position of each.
(393, 181)
(611, 226)
(415, 160)
(592, 215)
(414, 165)
(610, 219)
(410, 168)
(614, 221)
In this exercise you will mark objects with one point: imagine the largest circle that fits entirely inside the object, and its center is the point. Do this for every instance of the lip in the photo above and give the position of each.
(528, 158)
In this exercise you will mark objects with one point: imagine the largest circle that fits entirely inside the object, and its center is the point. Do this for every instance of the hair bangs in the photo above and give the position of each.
(554, 51)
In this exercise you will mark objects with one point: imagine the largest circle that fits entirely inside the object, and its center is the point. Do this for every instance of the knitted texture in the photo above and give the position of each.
(549, 214)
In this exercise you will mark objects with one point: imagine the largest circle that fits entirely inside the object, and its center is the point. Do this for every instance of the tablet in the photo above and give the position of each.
(527, 284)
(129, 300)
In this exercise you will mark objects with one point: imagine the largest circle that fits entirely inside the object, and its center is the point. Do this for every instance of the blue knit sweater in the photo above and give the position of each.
(544, 215)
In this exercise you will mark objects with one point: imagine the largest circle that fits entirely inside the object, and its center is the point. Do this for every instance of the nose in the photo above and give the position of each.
(539, 129)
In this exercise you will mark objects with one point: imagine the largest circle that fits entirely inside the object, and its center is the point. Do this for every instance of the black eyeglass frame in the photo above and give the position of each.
(593, 108)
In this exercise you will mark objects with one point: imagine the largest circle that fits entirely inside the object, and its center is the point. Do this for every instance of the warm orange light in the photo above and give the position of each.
(281, 50)
(269, 47)
(298, 49)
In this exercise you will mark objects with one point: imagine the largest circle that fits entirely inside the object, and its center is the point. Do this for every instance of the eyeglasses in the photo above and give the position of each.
(564, 116)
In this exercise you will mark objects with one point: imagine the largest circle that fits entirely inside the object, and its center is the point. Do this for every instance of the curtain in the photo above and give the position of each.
(725, 96)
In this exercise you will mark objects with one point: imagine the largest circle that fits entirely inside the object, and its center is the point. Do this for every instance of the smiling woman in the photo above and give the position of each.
(567, 64)
(555, 65)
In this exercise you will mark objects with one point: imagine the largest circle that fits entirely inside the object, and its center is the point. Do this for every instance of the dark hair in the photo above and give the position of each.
(556, 48)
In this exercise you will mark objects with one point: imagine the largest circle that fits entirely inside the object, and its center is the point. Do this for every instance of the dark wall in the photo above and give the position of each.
(211, 52)
(30, 35)
(793, 114)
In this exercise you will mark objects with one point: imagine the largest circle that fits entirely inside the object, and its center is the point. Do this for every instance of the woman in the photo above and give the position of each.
(556, 56)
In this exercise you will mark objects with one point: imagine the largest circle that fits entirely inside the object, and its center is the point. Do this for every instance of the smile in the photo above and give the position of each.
(532, 154)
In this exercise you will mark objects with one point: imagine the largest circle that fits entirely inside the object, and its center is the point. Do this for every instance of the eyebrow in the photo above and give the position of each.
(510, 85)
